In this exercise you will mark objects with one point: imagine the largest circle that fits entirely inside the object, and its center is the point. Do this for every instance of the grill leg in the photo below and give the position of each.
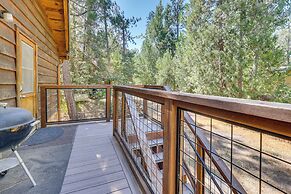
(24, 167)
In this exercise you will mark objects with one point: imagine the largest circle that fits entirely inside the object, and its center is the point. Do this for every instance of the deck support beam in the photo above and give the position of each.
(170, 147)
(108, 104)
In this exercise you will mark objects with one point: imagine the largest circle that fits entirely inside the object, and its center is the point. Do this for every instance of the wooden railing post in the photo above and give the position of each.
(59, 104)
(115, 110)
(43, 105)
(108, 104)
(170, 147)
(59, 93)
(181, 147)
(123, 115)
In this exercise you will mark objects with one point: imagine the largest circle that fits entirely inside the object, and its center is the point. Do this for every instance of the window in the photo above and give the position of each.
(27, 68)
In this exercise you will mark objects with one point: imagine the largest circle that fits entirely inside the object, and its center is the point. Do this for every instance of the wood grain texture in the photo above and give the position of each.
(170, 148)
(97, 86)
(57, 18)
(108, 104)
(7, 77)
(7, 63)
(7, 91)
(31, 21)
(254, 114)
(95, 164)
(268, 110)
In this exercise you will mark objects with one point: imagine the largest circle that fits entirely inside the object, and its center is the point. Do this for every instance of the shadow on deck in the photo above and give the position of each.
(83, 158)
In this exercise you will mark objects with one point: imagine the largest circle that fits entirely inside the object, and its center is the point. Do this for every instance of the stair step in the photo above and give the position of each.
(156, 142)
(132, 138)
(159, 157)
(151, 143)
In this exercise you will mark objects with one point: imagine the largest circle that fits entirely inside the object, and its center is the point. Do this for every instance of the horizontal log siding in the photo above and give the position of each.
(32, 22)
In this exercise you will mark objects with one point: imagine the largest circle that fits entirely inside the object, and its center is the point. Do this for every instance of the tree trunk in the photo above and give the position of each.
(105, 17)
(288, 44)
(106, 33)
(123, 41)
(85, 41)
(220, 61)
(240, 67)
(177, 19)
(69, 95)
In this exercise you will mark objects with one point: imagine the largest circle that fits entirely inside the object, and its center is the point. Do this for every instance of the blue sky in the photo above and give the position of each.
(138, 8)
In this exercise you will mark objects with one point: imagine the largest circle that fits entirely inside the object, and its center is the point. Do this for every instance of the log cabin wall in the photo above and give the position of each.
(30, 19)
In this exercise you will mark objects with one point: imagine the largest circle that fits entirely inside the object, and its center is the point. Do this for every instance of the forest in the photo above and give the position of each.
(237, 48)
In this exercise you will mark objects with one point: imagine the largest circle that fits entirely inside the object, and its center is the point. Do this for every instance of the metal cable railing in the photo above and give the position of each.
(209, 144)
(201, 160)
(233, 156)
(63, 104)
(141, 131)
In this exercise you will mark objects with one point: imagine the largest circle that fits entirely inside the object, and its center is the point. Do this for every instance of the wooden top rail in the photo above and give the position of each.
(269, 116)
(101, 86)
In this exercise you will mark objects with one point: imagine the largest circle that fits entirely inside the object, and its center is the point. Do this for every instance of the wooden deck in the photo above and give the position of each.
(97, 164)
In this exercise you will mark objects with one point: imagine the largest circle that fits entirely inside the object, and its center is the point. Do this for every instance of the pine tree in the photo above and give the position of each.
(230, 49)
(161, 36)
(100, 34)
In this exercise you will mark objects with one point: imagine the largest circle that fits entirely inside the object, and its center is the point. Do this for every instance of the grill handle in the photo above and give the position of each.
(35, 123)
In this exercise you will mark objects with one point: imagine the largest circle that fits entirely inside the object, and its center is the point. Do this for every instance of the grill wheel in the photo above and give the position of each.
(2, 174)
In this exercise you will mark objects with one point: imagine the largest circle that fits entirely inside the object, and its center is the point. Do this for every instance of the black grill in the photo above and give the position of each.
(16, 125)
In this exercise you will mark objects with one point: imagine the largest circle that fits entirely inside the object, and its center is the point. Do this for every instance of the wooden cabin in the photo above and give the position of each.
(32, 48)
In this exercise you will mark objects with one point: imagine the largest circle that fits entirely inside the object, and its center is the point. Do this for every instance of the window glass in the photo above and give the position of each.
(27, 68)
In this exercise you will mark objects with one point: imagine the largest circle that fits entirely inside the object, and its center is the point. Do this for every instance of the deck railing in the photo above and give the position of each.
(72, 103)
(186, 143)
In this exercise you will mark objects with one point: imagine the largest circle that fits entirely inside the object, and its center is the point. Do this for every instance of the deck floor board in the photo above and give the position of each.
(96, 164)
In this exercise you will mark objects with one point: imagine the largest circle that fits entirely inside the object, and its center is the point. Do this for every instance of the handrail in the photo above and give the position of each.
(45, 88)
(270, 117)
(270, 110)
(108, 87)
(97, 86)
(220, 165)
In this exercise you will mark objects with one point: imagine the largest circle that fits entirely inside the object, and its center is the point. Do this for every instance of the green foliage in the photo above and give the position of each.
(99, 37)
(159, 46)
(227, 48)
(124, 67)
(232, 50)
(145, 64)
(166, 70)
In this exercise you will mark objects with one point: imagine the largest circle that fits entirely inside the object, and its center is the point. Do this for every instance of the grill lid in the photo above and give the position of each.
(11, 117)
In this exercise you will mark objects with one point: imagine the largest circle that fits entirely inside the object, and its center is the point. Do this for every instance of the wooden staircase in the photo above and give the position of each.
(147, 144)
(142, 142)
